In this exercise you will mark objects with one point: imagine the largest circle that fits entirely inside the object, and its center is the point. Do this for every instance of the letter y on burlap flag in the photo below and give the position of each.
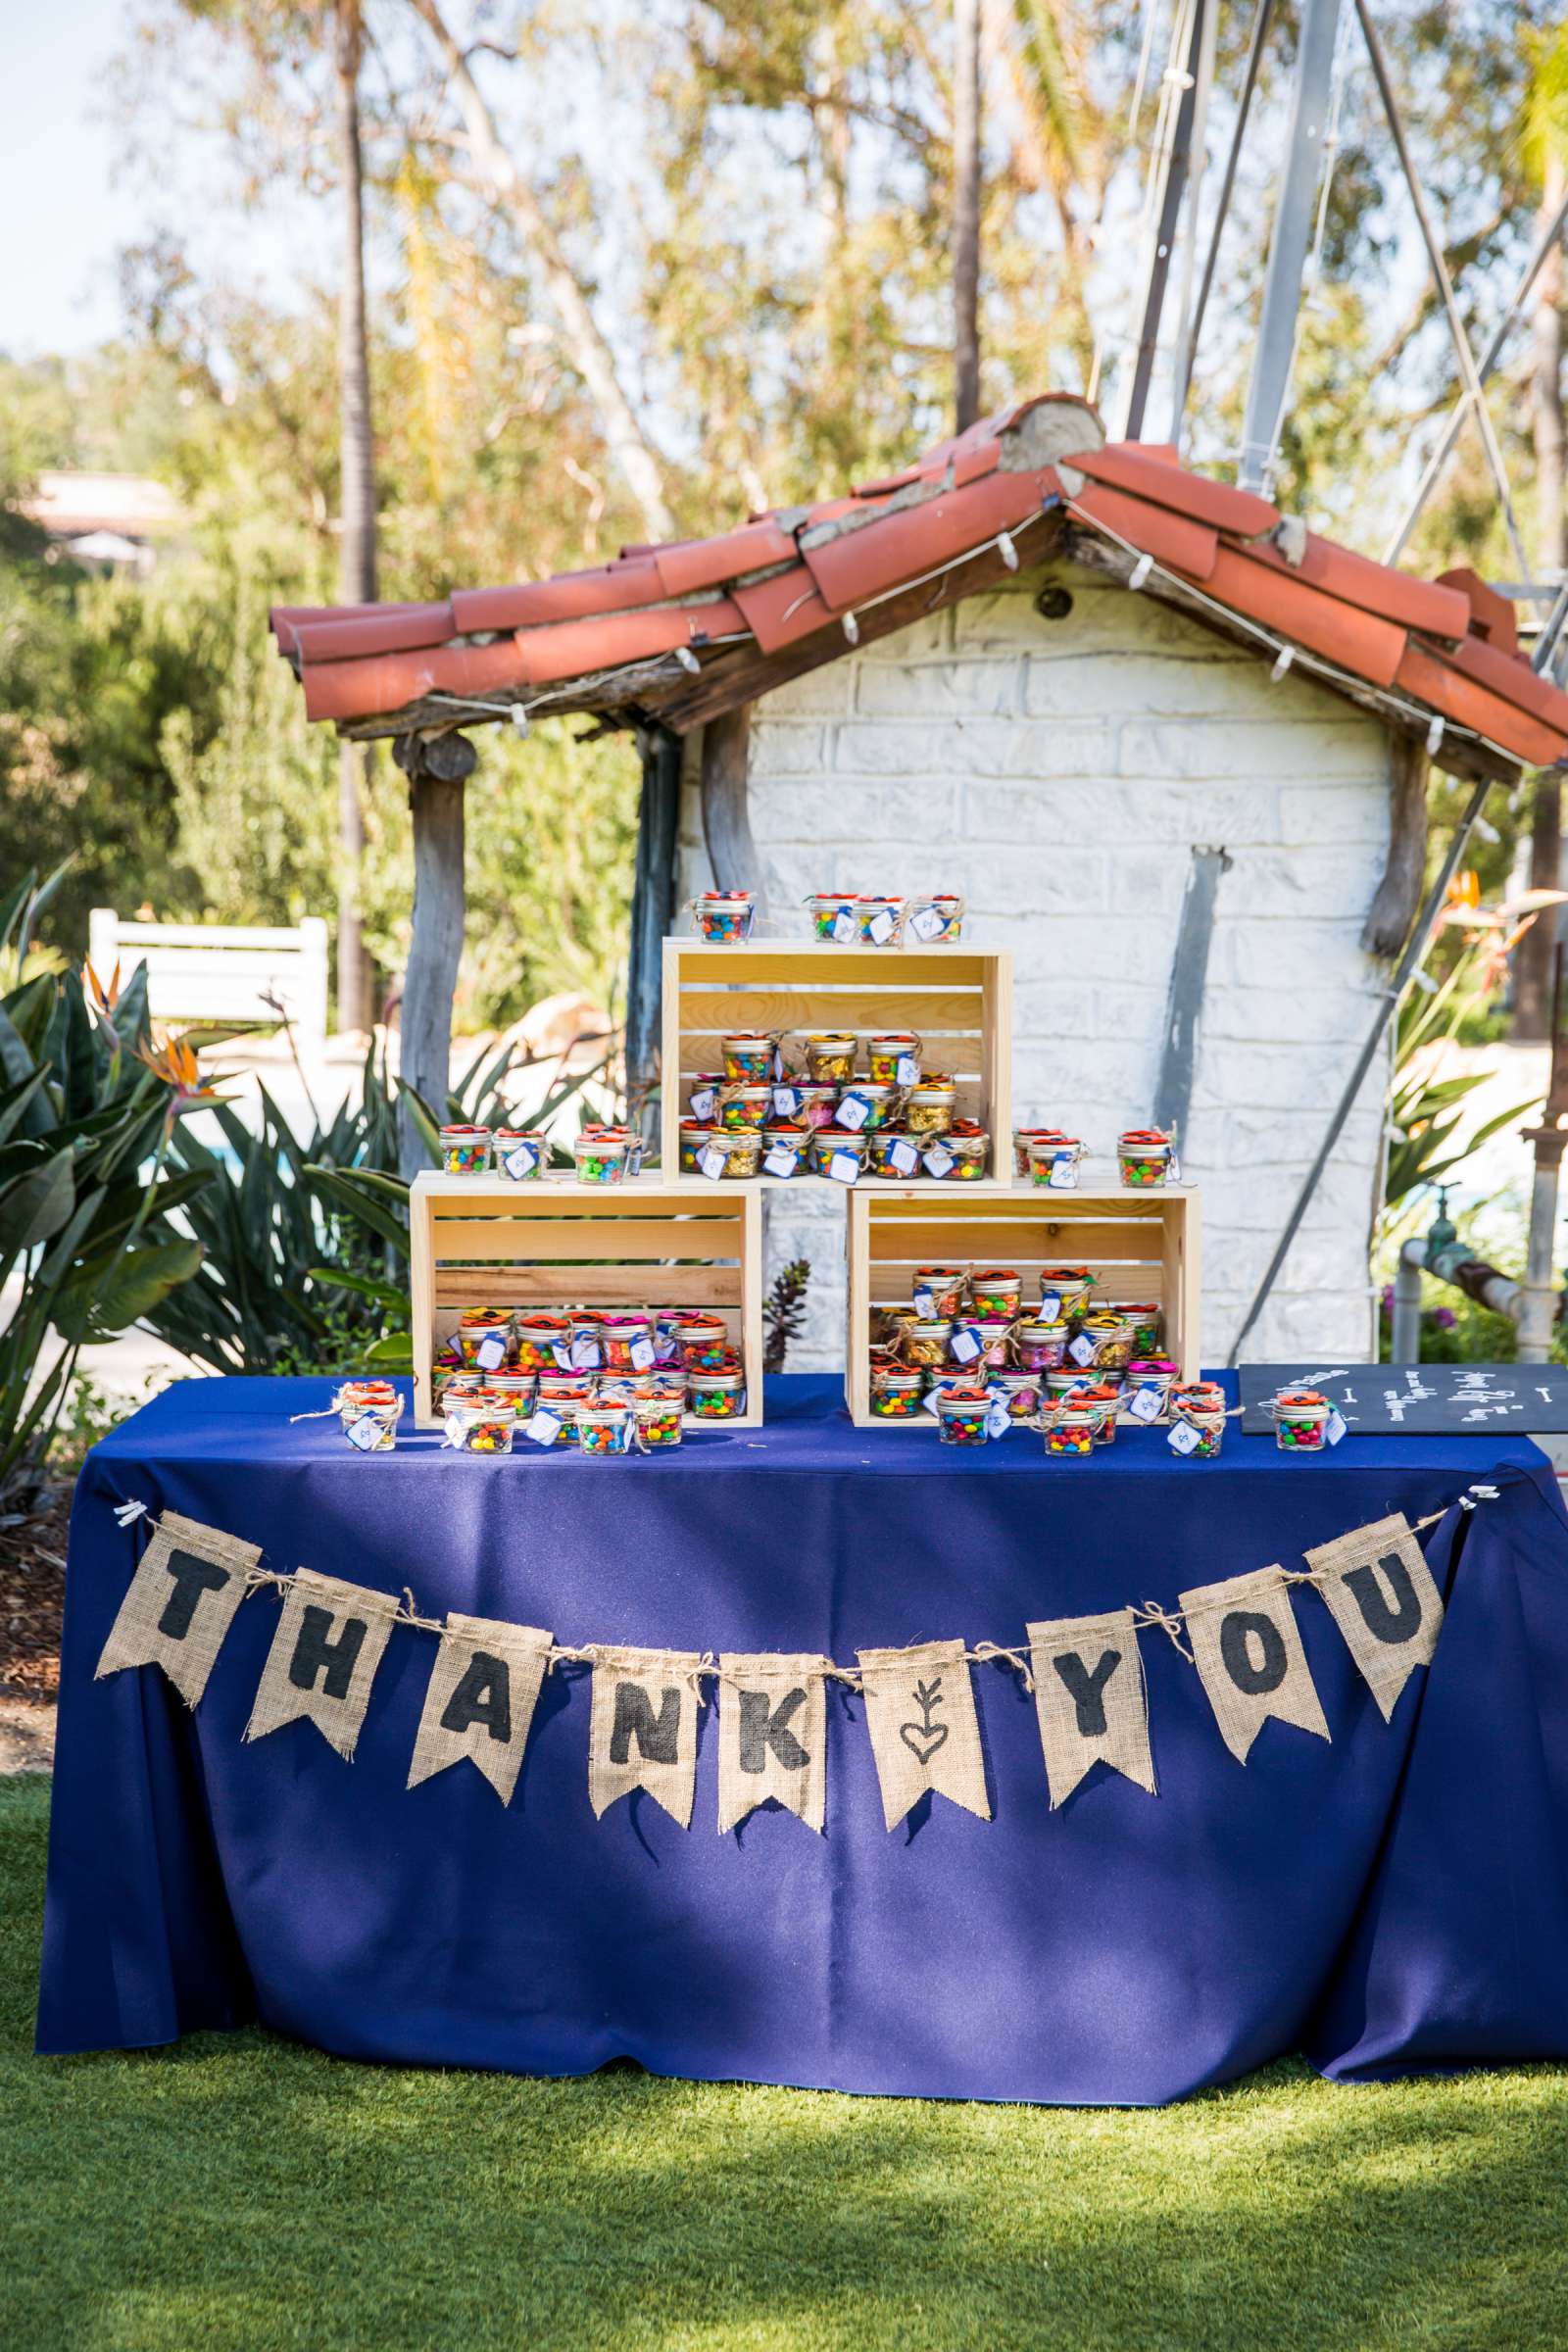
(919, 1710)
(480, 1701)
(642, 1728)
(1248, 1651)
(323, 1658)
(1377, 1582)
(181, 1604)
(772, 1736)
(1089, 1697)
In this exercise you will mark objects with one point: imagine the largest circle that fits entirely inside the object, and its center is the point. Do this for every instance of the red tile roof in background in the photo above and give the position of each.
(1447, 646)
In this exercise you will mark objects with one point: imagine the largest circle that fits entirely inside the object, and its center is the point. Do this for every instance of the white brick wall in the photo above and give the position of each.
(1060, 774)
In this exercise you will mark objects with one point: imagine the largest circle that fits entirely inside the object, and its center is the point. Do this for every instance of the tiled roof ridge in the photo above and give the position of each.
(793, 586)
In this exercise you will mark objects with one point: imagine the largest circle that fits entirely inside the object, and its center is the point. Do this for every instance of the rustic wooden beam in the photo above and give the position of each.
(437, 769)
(1399, 894)
(653, 914)
(726, 819)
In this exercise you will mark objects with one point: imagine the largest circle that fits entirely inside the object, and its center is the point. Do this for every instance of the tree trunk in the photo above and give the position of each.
(967, 213)
(591, 353)
(357, 506)
(1533, 962)
(431, 977)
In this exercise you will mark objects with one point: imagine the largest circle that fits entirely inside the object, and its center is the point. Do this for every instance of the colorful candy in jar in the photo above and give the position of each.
(879, 921)
(1039, 1347)
(716, 1396)
(520, 1154)
(1112, 1339)
(1064, 1379)
(994, 1332)
(692, 1137)
(627, 1340)
(1024, 1137)
(994, 1291)
(601, 1155)
(704, 1339)
(603, 1429)
(969, 1148)
(477, 1427)
(536, 1339)
(835, 1151)
(925, 1342)
(1300, 1421)
(786, 1148)
(1021, 1392)
(743, 1151)
(864, 1107)
(830, 1057)
(744, 1104)
(939, 1287)
(834, 914)
(892, 1154)
(1143, 1155)
(1068, 1287)
(369, 1411)
(896, 1393)
(818, 1103)
(723, 917)
(466, 1151)
(1104, 1399)
(937, 919)
(893, 1058)
(657, 1421)
(1069, 1429)
(1143, 1319)
(930, 1106)
(1201, 1405)
(1150, 1375)
(748, 1056)
(484, 1338)
(1055, 1162)
(962, 1420)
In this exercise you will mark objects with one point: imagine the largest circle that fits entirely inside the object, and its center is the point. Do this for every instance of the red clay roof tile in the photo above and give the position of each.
(1492, 615)
(781, 611)
(861, 564)
(388, 682)
(1129, 467)
(1368, 647)
(1432, 682)
(347, 636)
(711, 563)
(1511, 676)
(1373, 587)
(1153, 530)
(569, 596)
(570, 649)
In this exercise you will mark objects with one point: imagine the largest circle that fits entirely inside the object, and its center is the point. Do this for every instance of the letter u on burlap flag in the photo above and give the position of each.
(181, 1604)
(772, 1736)
(1379, 1590)
(919, 1710)
(1249, 1650)
(641, 1729)
(1089, 1698)
(480, 1701)
(323, 1658)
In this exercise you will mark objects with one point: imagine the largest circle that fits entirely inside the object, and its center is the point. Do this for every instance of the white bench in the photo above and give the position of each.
(218, 971)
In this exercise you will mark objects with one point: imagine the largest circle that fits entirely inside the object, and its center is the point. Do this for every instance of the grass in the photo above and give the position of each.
(239, 2192)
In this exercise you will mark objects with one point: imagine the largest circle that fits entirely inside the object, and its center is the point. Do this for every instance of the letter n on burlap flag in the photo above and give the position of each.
(1089, 1698)
(772, 1736)
(323, 1658)
(1248, 1651)
(642, 1728)
(919, 1710)
(181, 1604)
(480, 1701)
(1377, 1582)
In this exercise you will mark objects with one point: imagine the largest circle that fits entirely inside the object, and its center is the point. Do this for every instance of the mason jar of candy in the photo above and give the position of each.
(476, 1426)
(693, 1137)
(1021, 1392)
(704, 1339)
(716, 1396)
(879, 921)
(627, 1341)
(968, 1149)
(603, 1429)
(834, 914)
(1201, 1405)
(1039, 1347)
(1151, 1376)
(892, 1154)
(896, 1392)
(520, 1154)
(1111, 1337)
(937, 919)
(744, 1104)
(1063, 1292)
(369, 1411)
(484, 1338)
(838, 1153)
(925, 1342)
(962, 1420)
(930, 1107)
(466, 1151)
(938, 1289)
(1069, 1428)
(1055, 1162)
(786, 1149)
(1024, 1137)
(893, 1057)
(1104, 1399)
(818, 1103)
(600, 1155)
(830, 1057)
(993, 1289)
(1143, 1157)
(994, 1332)
(723, 917)
(748, 1057)
(1300, 1421)
(864, 1106)
(657, 1422)
(743, 1151)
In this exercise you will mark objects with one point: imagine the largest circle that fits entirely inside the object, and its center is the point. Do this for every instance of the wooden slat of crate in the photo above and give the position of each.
(1141, 1246)
(479, 1241)
(959, 1000)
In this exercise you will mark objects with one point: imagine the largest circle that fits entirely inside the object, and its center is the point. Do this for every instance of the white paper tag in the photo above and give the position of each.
(1050, 1306)
(364, 1432)
(782, 1160)
(932, 1402)
(880, 928)
(713, 1163)
(924, 1302)
(1333, 1427)
(454, 1436)
(778, 1061)
(939, 1160)
(586, 1356)
(491, 1353)
(1173, 1169)
(1064, 1173)
(852, 1112)
(844, 1167)
(906, 1070)
(903, 1157)
(997, 1421)
(964, 1345)
(642, 1355)
(1146, 1405)
(1183, 1438)
(520, 1162)
(927, 923)
(786, 1102)
(703, 1103)
(844, 924)
(544, 1428)
(1081, 1350)
(562, 1352)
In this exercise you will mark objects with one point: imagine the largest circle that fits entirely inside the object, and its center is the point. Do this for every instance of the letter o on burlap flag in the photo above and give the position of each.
(181, 1604)
(480, 1701)
(1089, 1698)
(1248, 1651)
(323, 1658)
(772, 1736)
(642, 1728)
(1379, 1590)
(919, 1710)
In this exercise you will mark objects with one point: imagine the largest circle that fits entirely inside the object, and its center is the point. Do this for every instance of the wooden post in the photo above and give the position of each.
(436, 768)
(727, 824)
(652, 913)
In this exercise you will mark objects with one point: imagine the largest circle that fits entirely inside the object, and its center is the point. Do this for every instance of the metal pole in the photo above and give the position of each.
(1444, 284)
(1484, 366)
(1404, 1347)
(1197, 156)
(1166, 233)
(1538, 1311)
(1293, 231)
(1244, 106)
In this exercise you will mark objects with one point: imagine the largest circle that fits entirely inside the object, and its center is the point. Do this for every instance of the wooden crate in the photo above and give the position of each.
(957, 1000)
(1139, 1244)
(481, 1241)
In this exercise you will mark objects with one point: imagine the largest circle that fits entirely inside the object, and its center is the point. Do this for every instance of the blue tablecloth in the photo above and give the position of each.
(1394, 1902)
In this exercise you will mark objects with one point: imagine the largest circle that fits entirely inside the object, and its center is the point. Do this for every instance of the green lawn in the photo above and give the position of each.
(239, 2192)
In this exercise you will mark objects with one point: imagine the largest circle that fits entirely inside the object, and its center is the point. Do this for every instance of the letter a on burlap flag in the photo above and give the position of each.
(181, 1604)
(919, 1710)
(1089, 1698)
(482, 1690)
(1248, 1651)
(772, 1736)
(641, 1729)
(323, 1658)
(1380, 1589)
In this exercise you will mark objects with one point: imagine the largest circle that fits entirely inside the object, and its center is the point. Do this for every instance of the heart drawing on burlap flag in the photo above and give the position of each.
(919, 1710)
(923, 1739)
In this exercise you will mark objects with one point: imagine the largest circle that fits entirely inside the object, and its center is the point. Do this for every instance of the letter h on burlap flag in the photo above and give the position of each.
(919, 1710)
(1379, 1590)
(481, 1700)
(181, 1604)
(323, 1658)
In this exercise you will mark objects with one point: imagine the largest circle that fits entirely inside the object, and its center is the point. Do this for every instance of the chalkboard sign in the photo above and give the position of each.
(1465, 1400)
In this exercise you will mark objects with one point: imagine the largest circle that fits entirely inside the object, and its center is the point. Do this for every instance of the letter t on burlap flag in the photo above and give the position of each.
(181, 1604)
(480, 1701)
(1089, 1697)
(919, 1710)
(1247, 1647)
(772, 1736)
(1377, 1582)
(642, 1728)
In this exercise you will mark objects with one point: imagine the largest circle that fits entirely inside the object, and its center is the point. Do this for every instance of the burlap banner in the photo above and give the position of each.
(642, 1728)
(1379, 1590)
(181, 1604)
(1248, 1652)
(772, 1736)
(323, 1658)
(1089, 1698)
(483, 1688)
(920, 1711)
